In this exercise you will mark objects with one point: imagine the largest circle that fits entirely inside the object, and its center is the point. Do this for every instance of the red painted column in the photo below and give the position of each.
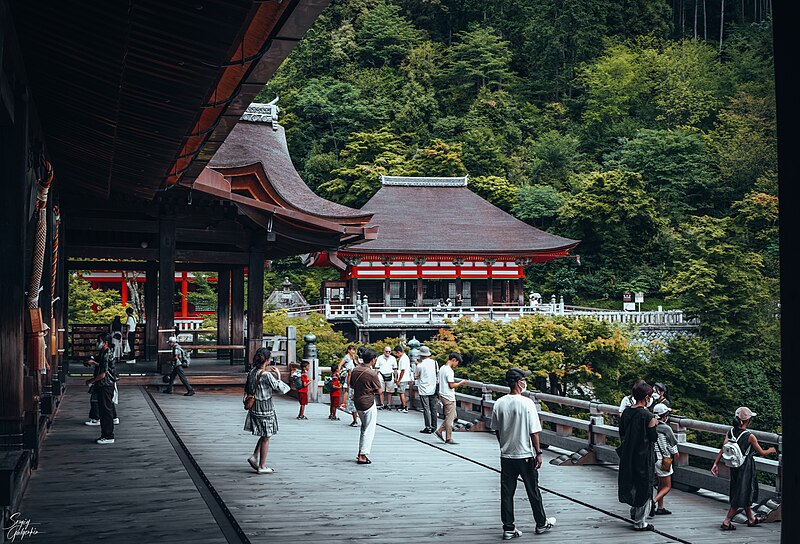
(124, 290)
(184, 293)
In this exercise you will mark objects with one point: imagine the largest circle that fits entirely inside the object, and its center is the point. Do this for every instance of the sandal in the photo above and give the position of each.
(759, 519)
(728, 527)
(366, 461)
(648, 527)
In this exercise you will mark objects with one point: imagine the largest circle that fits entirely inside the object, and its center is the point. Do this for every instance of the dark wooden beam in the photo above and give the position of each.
(255, 300)
(237, 307)
(222, 257)
(166, 286)
(108, 252)
(151, 311)
(101, 224)
(223, 309)
(13, 208)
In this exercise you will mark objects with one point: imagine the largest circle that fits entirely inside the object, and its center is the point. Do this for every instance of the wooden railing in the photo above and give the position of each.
(602, 424)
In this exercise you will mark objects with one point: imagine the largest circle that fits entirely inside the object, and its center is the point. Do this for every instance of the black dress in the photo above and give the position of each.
(744, 485)
(636, 457)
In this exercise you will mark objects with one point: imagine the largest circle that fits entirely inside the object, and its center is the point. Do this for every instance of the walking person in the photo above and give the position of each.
(102, 383)
(352, 358)
(347, 364)
(263, 382)
(335, 392)
(426, 377)
(366, 384)
(386, 365)
(666, 450)
(300, 380)
(116, 338)
(744, 486)
(130, 337)
(403, 381)
(637, 429)
(180, 360)
(94, 402)
(447, 395)
(516, 424)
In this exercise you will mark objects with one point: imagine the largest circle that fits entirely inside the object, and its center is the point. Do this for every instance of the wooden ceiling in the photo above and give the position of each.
(136, 96)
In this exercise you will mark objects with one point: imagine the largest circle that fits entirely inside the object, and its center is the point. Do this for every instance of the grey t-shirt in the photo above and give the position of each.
(515, 417)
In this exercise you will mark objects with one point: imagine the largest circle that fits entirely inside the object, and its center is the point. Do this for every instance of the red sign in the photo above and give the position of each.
(627, 296)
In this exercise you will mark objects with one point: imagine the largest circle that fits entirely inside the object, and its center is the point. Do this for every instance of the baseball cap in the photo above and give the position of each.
(172, 339)
(661, 409)
(515, 374)
(425, 350)
(744, 413)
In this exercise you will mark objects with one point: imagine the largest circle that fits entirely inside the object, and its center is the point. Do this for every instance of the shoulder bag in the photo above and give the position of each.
(250, 398)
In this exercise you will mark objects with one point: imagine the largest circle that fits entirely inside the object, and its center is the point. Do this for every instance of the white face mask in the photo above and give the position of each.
(656, 396)
(99, 345)
(524, 386)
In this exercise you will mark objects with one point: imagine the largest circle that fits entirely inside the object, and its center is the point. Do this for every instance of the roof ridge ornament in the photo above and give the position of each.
(259, 112)
(424, 181)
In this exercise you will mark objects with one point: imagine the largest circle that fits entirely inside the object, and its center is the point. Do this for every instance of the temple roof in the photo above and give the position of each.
(257, 139)
(441, 215)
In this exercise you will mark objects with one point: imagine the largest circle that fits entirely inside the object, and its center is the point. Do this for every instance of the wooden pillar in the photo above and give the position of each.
(387, 291)
(353, 290)
(255, 300)
(223, 309)
(185, 294)
(489, 291)
(419, 292)
(237, 309)
(166, 286)
(521, 291)
(151, 311)
(13, 210)
(123, 290)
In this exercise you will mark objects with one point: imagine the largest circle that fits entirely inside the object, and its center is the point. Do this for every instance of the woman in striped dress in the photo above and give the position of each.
(261, 420)
(666, 449)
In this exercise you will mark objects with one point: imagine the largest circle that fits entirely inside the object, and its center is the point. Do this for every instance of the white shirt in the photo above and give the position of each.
(515, 417)
(627, 401)
(404, 364)
(386, 365)
(446, 375)
(131, 323)
(426, 376)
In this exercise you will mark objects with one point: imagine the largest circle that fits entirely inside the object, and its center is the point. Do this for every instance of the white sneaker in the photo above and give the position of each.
(105, 440)
(92, 422)
(548, 524)
(508, 535)
(265, 470)
(116, 421)
(131, 361)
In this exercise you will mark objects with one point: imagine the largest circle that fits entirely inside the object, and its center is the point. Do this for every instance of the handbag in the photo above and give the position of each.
(666, 464)
(250, 398)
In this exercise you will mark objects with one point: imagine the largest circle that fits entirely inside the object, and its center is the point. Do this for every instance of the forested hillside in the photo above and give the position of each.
(644, 128)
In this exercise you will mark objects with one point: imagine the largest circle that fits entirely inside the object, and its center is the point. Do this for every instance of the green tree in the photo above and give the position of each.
(89, 305)
(537, 204)
(496, 190)
(384, 36)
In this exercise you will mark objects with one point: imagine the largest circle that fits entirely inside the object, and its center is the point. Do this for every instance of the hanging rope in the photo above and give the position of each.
(43, 187)
(56, 230)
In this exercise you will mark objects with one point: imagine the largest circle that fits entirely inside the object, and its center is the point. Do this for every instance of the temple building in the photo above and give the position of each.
(440, 243)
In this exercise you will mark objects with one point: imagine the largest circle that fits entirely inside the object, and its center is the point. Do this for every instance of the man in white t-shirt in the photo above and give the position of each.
(386, 365)
(516, 424)
(426, 378)
(447, 395)
(403, 379)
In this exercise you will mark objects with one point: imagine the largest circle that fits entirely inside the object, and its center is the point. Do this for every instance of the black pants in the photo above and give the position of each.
(509, 470)
(429, 410)
(105, 405)
(94, 407)
(178, 371)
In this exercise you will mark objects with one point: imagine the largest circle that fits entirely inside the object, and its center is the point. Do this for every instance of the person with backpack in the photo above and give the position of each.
(738, 452)
(300, 381)
(263, 381)
(180, 360)
(102, 386)
(334, 388)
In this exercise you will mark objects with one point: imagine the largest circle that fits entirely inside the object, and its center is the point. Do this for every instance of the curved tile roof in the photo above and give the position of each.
(428, 216)
(263, 142)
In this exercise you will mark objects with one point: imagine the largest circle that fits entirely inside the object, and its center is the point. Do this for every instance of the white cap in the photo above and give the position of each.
(172, 339)
(661, 409)
(744, 413)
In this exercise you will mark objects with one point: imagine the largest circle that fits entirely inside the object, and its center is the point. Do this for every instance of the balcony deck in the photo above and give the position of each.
(148, 488)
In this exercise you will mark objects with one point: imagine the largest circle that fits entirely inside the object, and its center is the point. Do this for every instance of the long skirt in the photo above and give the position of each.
(744, 486)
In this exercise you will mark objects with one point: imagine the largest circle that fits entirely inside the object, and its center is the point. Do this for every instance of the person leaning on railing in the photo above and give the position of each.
(744, 485)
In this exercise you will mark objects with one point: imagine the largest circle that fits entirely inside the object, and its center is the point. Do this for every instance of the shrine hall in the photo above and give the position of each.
(438, 241)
